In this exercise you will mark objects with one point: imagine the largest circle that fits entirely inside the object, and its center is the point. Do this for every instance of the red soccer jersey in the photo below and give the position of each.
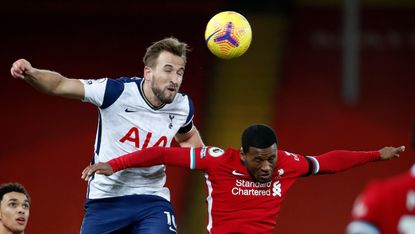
(236, 203)
(389, 205)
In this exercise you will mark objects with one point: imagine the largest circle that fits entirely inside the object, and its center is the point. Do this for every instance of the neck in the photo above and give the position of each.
(148, 93)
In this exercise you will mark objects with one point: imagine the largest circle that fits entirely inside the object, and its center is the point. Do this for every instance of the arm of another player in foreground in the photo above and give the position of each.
(46, 81)
(189, 139)
(361, 227)
(340, 160)
(174, 156)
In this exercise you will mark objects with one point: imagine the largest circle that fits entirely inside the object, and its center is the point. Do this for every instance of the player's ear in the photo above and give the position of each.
(242, 155)
(147, 73)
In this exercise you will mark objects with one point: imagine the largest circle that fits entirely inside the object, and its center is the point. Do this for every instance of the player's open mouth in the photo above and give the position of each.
(21, 220)
(171, 89)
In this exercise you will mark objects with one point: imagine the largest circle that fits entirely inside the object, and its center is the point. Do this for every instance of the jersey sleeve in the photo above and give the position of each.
(340, 160)
(294, 164)
(193, 158)
(102, 92)
(188, 125)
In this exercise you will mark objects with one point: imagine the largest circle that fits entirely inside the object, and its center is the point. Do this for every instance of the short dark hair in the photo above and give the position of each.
(169, 44)
(259, 136)
(13, 187)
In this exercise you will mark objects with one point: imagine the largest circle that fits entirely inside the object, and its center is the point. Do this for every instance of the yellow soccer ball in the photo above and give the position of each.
(228, 35)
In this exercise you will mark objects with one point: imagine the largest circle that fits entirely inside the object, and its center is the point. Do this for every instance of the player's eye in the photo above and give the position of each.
(12, 204)
(180, 72)
(25, 206)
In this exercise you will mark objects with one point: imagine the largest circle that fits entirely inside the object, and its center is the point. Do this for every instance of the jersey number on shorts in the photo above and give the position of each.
(171, 222)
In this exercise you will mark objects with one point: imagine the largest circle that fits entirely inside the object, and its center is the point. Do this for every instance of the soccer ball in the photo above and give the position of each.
(228, 34)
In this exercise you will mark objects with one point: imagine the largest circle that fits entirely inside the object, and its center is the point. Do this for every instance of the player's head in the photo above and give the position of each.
(165, 62)
(169, 44)
(259, 151)
(14, 208)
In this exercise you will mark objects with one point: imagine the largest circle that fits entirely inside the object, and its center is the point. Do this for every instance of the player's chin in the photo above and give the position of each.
(169, 97)
(264, 179)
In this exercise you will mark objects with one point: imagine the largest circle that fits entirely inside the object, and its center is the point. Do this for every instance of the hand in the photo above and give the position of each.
(390, 152)
(21, 68)
(99, 168)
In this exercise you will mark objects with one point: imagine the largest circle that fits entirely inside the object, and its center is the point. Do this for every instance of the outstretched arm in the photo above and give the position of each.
(174, 156)
(336, 161)
(46, 81)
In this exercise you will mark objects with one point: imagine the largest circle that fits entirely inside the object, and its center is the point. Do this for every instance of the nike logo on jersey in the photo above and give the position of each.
(234, 172)
(130, 110)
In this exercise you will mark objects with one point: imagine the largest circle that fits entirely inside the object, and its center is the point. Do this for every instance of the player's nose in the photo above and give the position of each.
(175, 79)
(266, 167)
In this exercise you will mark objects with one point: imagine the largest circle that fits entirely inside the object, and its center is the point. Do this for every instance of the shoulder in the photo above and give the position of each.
(288, 157)
(115, 87)
(183, 98)
(213, 153)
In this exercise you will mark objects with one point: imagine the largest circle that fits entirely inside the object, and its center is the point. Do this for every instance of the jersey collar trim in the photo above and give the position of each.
(141, 89)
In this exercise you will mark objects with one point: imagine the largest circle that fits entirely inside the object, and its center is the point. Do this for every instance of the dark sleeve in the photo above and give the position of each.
(189, 121)
(113, 91)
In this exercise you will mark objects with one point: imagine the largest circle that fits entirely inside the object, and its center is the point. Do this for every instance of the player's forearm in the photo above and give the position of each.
(44, 80)
(53, 83)
(340, 160)
(152, 156)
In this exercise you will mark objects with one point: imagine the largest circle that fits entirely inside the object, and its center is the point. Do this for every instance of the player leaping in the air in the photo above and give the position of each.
(245, 188)
(134, 113)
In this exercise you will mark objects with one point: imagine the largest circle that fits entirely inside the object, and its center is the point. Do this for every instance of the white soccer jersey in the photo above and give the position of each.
(128, 122)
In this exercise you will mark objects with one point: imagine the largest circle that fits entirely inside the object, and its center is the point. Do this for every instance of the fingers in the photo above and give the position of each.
(88, 171)
(98, 168)
(389, 152)
(84, 175)
(17, 72)
(399, 150)
(19, 68)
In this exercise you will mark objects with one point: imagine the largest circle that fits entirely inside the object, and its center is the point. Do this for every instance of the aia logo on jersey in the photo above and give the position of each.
(133, 135)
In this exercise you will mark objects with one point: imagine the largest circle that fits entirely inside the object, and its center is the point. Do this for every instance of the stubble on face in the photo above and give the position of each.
(167, 77)
(164, 95)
